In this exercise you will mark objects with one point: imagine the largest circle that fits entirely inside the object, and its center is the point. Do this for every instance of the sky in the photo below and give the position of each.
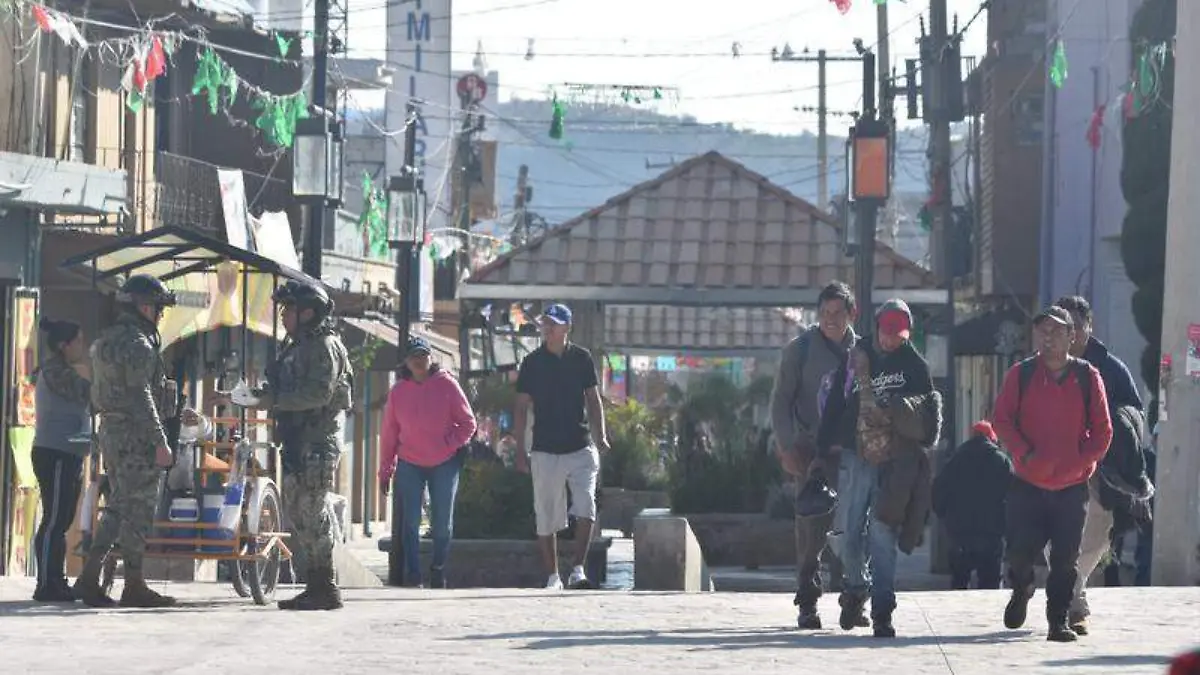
(681, 45)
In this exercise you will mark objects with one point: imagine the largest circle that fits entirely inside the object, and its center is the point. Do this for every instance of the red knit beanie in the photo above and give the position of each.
(984, 428)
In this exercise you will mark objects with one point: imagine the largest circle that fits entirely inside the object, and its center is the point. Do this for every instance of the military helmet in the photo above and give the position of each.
(143, 289)
(304, 296)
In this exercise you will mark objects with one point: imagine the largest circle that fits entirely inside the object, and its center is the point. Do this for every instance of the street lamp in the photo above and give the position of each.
(317, 180)
(406, 229)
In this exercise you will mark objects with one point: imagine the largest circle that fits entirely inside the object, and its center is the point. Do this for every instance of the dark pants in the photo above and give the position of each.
(812, 535)
(1037, 517)
(60, 478)
(982, 556)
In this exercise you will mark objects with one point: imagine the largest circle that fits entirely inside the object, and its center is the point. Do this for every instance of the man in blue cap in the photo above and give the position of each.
(559, 380)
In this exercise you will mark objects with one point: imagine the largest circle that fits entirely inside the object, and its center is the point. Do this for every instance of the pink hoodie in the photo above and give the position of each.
(424, 423)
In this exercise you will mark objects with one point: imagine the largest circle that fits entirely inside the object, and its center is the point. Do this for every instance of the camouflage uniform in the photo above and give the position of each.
(129, 392)
(308, 391)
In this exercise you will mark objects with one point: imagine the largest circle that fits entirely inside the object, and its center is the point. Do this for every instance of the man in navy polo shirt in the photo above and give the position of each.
(559, 380)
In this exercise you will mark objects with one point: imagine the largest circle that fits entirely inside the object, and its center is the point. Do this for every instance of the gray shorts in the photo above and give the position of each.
(552, 476)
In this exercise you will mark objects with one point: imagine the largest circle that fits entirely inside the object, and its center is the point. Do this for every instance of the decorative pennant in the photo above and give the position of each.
(558, 116)
(51, 21)
(373, 220)
(1058, 67)
(284, 43)
(1096, 127)
(209, 78)
(843, 6)
(278, 116)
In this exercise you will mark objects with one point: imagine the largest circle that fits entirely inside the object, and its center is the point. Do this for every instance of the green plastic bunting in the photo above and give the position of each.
(284, 44)
(373, 220)
(278, 116)
(558, 116)
(1058, 67)
(134, 101)
(209, 78)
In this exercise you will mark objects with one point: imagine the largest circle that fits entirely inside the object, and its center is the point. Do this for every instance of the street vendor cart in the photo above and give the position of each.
(223, 499)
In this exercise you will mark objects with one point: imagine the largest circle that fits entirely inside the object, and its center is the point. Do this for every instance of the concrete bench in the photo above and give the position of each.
(666, 554)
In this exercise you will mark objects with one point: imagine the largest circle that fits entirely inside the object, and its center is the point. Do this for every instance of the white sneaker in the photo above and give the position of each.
(578, 580)
(554, 583)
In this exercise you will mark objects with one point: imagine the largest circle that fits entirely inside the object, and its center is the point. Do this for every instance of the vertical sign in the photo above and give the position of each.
(233, 205)
(418, 44)
(24, 357)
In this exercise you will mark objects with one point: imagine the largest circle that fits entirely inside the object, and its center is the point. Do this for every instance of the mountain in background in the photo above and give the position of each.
(607, 149)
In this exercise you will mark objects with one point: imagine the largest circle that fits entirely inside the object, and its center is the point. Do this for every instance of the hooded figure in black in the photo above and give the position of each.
(969, 496)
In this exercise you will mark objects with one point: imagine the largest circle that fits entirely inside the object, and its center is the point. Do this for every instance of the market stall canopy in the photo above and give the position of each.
(171, 252)
(215, 284)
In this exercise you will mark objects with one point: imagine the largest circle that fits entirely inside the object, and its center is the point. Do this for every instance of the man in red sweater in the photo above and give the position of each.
(1052, 417)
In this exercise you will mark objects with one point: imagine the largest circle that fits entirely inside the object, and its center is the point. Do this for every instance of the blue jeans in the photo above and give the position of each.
(411, 481)
(866, 547)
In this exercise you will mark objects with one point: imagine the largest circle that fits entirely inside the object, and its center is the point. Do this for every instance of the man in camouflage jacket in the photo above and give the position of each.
(308, 391)
(131, 396)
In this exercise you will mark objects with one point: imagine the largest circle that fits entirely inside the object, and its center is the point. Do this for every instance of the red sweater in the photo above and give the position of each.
(1052, 446)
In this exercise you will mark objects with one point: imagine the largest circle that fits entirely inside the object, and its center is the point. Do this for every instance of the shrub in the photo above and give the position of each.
(635, 461)
(722, 462)
(494, 502)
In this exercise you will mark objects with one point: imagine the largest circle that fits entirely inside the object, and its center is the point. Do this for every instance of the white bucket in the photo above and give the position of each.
(184, 510)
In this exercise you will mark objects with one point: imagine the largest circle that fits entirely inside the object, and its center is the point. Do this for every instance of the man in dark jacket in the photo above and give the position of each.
(969, 496)
(1122, 391)
(884, 486)
(1052, 416)
(794, 411)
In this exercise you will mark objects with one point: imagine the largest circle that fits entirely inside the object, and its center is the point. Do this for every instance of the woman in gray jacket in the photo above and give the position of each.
(62, 395)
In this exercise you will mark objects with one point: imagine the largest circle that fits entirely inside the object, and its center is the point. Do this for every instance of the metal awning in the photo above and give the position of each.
(171, 252)
(48, 184)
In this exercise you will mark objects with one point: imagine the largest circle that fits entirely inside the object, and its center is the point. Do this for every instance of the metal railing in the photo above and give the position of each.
(189, 194)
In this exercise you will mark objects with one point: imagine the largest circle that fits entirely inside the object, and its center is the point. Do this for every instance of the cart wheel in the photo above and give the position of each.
(263, 575)
(238, 573)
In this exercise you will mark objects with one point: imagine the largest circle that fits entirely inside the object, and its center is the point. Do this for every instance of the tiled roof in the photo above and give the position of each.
(705, 227)
(692, 329)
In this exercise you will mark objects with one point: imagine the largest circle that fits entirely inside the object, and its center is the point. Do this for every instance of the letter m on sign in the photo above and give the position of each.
(418, 29)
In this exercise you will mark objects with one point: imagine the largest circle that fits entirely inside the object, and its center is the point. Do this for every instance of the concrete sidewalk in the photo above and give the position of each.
(478, 631)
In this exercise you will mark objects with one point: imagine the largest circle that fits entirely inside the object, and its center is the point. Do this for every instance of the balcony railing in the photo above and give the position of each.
(189, 194)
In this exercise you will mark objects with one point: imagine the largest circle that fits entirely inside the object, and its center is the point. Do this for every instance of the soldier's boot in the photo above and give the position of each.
(87, 587)
(137, 594)
(293, 603)
(324, 593)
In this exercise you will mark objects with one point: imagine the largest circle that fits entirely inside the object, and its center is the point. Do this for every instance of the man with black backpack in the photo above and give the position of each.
(805, 361)
(1052, 416)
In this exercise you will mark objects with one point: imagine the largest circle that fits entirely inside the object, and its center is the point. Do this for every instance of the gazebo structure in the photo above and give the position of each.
(709, 257)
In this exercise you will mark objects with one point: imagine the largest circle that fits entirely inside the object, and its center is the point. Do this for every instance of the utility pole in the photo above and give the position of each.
(822, 133)
(822, 59)
(404, 260)
(519, 199)
(1177, 525)
(866, 210)
(941, 67)
(314, 240)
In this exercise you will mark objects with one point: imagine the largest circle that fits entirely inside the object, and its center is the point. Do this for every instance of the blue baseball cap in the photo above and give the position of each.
(559, 314)
(417, 346)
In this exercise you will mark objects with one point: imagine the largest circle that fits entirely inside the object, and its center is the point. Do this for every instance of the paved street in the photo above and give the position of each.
(468, 631)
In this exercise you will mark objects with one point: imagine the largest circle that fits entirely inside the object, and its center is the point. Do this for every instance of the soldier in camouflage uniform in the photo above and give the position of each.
(308, 391)
(130, 395)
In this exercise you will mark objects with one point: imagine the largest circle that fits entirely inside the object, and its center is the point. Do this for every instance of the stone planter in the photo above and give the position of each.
(509, 563)
(749, 540)
(618, 507)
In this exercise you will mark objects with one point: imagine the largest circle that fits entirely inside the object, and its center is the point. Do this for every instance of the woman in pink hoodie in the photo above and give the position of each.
(426, 421)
